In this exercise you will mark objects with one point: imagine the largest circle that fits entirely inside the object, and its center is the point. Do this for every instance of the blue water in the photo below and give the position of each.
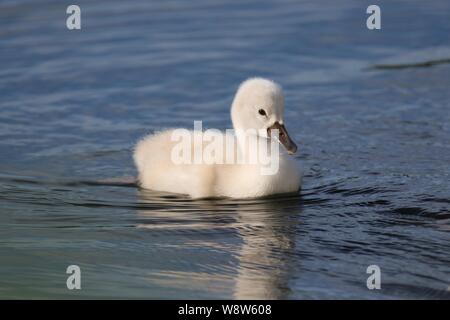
(370, 113)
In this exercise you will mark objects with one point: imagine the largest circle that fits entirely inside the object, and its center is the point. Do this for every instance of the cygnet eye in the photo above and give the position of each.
(262, 112)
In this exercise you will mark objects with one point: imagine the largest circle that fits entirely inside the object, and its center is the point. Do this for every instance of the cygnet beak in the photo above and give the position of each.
(283, 137)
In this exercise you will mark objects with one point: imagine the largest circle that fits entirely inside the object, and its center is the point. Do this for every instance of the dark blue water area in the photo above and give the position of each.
(369, 109)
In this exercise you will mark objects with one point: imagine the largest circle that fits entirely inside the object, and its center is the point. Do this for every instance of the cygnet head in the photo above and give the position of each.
(259, 105)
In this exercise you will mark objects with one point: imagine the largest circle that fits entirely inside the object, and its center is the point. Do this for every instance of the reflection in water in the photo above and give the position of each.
(265, 227)
(264, 256)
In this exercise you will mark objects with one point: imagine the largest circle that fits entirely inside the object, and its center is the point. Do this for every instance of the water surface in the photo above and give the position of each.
(368, 109)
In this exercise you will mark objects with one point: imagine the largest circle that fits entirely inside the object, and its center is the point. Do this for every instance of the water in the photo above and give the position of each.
(368, 109)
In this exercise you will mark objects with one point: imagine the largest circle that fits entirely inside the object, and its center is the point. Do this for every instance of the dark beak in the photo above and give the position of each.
(283, 137)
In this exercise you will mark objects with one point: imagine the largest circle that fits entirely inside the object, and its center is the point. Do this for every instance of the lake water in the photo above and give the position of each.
(370, 114)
